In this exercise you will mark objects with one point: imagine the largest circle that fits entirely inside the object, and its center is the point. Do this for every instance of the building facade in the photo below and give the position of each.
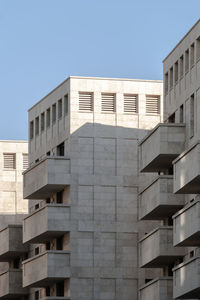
(82, 184)
(173, 197)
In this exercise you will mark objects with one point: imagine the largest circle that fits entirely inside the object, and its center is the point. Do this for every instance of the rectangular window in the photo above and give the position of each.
(181, 66)
(186, 60)
(85, 102)
(61, 149)
(54, 113)
(192, 116)
(166, 82)
(48, 120)
(37, 126)
(31, 130)
(130, 103)
(42, 121)
(181, 113)
(25, 161)
(191, 55)
(198, 49)
(176, 72)
(9, 160)
(171, 77)
(153, 104)
(66, 104)
(60, 109)
(108, 102)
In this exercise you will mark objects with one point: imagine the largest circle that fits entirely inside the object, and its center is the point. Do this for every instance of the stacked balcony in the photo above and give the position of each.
(157, 201)
(163, 144)
(46, 177)
(46, 268)
(187, 171)
(156, 248)
(52, 220)
(157, 289)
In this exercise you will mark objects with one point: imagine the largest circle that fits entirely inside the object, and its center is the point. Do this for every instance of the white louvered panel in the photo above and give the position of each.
(25, 161)
(130, 103)
(9, 160)
(153, 104)
(108, 102)
(85, 102)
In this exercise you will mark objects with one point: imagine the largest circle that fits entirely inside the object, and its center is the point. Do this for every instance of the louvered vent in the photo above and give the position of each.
(130, 103)
(25, 161)
(9, 160)
(108, 102)
(85, 102)
(153, 104)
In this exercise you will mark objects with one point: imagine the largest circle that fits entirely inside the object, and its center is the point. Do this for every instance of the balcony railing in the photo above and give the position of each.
(46, 177)
(161, 146)
(11, 285)
(49, 221)
(157, 201)
(187, 171)
(45, 268)
(11, 245)
(186, 279)
(187, 225)
(156, 248)
(157, 289)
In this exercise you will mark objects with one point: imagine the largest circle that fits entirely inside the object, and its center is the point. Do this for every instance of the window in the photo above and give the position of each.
(171, 78)
(198, 49)
(59, 197)
(60, 109)
(31, 129)
(186, 60)
(176, 72)
(107, 102)
(54, 113)
(37, 126)
(171, 118)
(9, 160)
(25, 161)
(48, 120)
(166, 82)
(191, 55)
(37, 250)
(192, 116)
(153, 104)
(66, 104)
(16, 263)
(37, 295)
(130, 103)
(85, 102)
(181, 66)
(181, 113)
(42, 121)
(61, 149)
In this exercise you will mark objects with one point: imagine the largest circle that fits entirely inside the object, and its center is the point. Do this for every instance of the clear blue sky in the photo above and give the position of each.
(42, 42)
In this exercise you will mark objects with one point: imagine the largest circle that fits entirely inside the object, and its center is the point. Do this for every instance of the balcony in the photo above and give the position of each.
(55, 298)
(45, 268)
(186, 277)
(157, 201)
(11, 243)
(156, 248)
(161, 146)
(11, 284)
(46, 177)
(157, 289)
(187, 171)
(187, 225)
(49, 221)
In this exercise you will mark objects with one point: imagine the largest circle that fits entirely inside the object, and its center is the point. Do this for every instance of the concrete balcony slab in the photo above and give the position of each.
(157, 289)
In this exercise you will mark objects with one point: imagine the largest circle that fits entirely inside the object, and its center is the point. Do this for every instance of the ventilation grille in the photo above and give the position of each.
(153, 105)
(25, 161)
(85, 102)
(130, 103)
(108, 102)
(9, 160)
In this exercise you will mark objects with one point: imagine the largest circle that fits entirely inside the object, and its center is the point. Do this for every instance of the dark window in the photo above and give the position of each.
(66, 104)
(36, 250)
(59, 197)
(59, 243)
(171, 119)
(60, 289)
(48, 246)
(16, 263)
(37, 295)
(61, 149)
(48, 291)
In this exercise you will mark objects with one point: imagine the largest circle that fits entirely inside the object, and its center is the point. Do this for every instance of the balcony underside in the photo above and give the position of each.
(192, 187)
(162, 211)
(161, 261)
(160, 163)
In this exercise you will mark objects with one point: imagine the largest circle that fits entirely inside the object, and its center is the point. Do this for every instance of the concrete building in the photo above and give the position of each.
(173, 197)
(13, 209)
(83, 183)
